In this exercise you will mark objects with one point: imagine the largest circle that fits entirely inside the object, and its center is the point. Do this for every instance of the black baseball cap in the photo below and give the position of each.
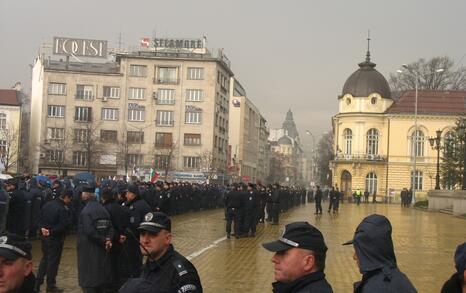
(298, 235)
(155, 221)
(133, 189)
(13, 246)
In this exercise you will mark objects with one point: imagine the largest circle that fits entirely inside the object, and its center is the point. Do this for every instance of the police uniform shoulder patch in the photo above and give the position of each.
(148, 217)
(3, 239)
(180, 267)
(187, 288)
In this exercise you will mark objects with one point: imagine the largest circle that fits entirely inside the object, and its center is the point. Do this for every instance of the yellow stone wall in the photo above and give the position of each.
(394, 147)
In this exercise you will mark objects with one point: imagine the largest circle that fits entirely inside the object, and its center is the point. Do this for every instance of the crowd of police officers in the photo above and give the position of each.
(34, 207)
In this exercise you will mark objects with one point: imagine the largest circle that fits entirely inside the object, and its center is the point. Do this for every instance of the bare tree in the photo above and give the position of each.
(164, 154)
(277, 170)
(325, 151)
(9, 147)
(123, 151)
(55, 149)
(87, 137)
(207, 164)
(451, 78)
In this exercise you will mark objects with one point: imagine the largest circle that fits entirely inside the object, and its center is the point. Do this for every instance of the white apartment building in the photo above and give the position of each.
(248, 134)
(164, 109)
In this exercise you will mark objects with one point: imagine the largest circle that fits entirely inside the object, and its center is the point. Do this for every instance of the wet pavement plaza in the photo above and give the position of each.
(424, 245)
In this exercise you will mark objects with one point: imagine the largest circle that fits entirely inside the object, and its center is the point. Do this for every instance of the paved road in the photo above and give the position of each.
(424, 245)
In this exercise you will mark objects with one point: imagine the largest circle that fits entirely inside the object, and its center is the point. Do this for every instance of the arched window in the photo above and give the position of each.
(371, 183)
(348, 137)
(372, 145)
(416, 180)
(2, 121)
(417, 143)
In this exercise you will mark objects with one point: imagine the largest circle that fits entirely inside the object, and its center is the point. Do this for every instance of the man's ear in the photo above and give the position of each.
(27, 267)
(309, 262)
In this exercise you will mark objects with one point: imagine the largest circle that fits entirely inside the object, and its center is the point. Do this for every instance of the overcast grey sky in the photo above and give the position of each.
(287, 54)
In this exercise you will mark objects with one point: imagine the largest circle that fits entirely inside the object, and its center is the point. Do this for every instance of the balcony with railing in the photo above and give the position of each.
(360, 157)
(166, 80)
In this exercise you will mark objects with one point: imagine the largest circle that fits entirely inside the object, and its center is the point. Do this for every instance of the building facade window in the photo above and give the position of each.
(56, 111)
(135, 159)
(136, 93)
(81, 135)
(417, 144)
(55, 155)
(165, 118)
(191, 162)
(163, 139)
(162, 162)
(108, 135)
(2, 121)
(80, 158)
(138, 70)
(348, 137)
(112, 92)
(167, 75)
(136, 115)
(55, 133)
(192, 139)
(82, 114)
(372, 145)
(166, 97)
(84, 92)
(109, 114)
(194, 95)
(56, 88)
(417, 179)
(193, 117)
(195, 73)
(135, 136)
(371, 183)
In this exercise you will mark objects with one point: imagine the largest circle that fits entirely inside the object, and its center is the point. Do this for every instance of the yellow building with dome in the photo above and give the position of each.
(375, 141)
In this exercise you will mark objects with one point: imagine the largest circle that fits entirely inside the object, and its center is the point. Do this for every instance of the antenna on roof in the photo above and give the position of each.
(120, 42)
(368, 54)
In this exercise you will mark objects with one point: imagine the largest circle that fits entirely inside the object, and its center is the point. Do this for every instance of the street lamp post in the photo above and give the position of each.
(416, 76)
(435, 144)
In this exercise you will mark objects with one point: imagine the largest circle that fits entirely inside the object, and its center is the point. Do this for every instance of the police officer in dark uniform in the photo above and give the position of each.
(17, 207)
(54, 221)
(137, 208)
(233, 204)
(275, 203)
(94, 243)
(120, 222)
(165, 268)
(318, 200)
(251, 211)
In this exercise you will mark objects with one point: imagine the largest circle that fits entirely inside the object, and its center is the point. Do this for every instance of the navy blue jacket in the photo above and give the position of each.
(377, 262)
(311, 283)
(55, 217)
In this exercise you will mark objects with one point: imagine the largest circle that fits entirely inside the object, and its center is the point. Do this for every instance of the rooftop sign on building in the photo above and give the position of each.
(80, 47)
(180, 43)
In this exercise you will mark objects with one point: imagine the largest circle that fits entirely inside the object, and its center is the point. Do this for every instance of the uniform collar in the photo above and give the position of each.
(280, 287)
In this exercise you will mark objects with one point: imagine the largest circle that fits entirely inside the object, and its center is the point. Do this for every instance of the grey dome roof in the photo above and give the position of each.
(366, 80)
(285, 140)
